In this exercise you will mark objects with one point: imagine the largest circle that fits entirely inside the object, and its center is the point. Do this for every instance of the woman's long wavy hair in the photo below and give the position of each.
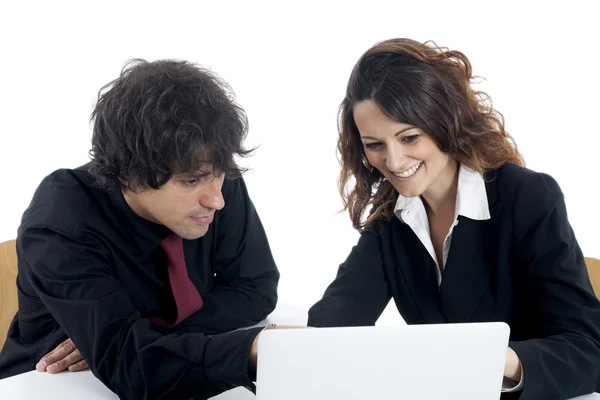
(428, 87)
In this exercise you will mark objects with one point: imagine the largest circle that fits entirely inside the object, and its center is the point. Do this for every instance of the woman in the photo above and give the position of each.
(458, 230)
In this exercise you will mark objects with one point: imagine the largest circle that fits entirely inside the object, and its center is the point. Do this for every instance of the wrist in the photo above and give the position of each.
(512, 368)
(252, 359)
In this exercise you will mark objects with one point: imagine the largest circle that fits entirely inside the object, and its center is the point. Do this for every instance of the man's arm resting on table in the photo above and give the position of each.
(74, 280)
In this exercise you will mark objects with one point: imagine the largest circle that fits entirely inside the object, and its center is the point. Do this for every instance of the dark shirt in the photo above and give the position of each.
(523, 267)
(93, 270)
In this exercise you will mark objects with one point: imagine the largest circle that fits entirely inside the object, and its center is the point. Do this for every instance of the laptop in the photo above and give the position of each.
(438, 361)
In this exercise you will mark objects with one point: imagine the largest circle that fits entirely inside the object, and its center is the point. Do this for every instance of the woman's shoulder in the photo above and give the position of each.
(513, 181)
(509, 173)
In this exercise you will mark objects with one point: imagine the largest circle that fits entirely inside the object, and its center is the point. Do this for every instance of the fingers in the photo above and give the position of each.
(60, 365)
(61, 358)
(60, 352)
(80, 366)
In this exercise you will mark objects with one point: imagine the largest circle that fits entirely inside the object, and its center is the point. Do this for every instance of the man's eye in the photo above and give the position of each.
(191, 182)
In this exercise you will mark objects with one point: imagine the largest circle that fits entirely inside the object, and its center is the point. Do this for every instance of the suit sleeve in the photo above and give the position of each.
(74, 279)
(245, 287)
(563, 359)
(359, 293)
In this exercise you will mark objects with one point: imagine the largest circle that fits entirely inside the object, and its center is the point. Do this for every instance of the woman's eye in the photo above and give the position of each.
(410, 139)
(373, 146)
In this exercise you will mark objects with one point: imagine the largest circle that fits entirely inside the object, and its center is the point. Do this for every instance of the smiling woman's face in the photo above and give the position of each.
(404, 154)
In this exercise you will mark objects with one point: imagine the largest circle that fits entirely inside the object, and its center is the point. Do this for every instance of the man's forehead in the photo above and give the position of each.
(203, 169)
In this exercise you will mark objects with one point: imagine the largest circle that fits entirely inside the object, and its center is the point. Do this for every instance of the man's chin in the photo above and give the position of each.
(192, 234)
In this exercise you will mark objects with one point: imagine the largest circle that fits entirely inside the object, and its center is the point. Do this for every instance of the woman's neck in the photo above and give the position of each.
(440, 197)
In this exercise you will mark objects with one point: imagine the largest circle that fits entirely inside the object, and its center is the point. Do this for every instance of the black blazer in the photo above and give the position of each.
(523, 266)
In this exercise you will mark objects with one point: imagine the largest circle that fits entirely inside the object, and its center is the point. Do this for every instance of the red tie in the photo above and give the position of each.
(187, 298)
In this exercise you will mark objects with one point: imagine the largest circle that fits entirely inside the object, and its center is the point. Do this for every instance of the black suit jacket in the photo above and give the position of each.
(523, 266)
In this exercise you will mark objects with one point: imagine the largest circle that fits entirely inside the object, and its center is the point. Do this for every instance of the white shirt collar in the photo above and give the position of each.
(471, 200)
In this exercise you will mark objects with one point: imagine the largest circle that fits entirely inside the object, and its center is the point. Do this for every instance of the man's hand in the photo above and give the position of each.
(65, 356)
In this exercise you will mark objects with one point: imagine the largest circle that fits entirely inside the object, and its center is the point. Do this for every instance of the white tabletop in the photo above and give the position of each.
(84, 385)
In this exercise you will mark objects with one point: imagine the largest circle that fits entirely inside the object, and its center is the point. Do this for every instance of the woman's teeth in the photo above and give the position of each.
(409, 172)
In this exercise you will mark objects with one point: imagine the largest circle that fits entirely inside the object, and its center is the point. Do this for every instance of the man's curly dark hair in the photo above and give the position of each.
(162, 118)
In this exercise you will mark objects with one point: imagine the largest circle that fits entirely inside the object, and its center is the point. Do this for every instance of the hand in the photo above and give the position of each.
(65, 356)
(512, 368)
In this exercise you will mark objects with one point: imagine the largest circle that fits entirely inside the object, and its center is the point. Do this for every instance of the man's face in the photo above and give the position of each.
(185, 204)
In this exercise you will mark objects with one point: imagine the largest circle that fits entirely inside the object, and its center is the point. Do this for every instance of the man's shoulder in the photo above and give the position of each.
(64, 200)
(235, 193)
(234, 187)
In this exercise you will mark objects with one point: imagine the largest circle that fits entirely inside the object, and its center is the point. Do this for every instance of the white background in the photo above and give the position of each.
(288, 63)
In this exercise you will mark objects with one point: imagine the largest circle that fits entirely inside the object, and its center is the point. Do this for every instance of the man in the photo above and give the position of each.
(152, 255)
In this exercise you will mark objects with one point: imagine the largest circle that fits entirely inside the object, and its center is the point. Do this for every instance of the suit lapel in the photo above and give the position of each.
(418, 271)
(468, 267)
